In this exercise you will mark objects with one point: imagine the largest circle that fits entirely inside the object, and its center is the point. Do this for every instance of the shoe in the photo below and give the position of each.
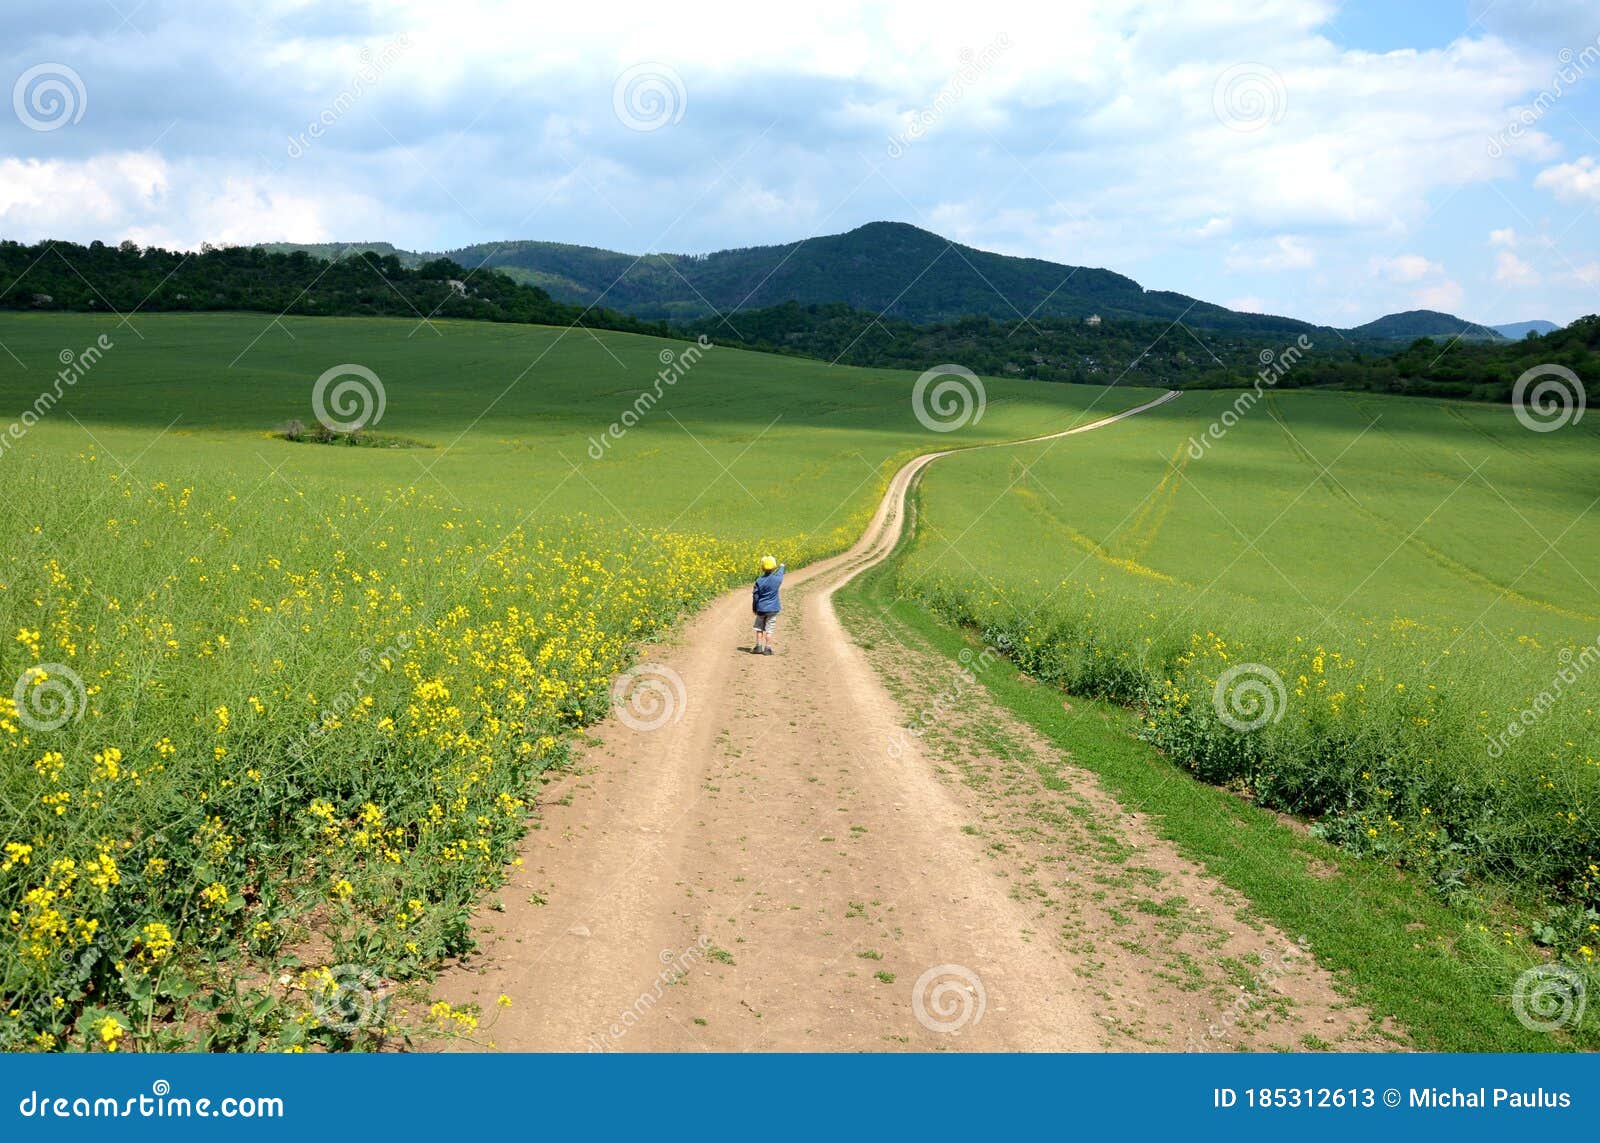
(766, 650)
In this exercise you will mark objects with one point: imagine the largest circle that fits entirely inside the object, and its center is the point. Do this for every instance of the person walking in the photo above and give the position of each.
(764, 604)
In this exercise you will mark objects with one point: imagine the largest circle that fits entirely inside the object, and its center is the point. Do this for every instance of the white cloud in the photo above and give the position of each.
(1092, 137)
(156, 202)
(1285, 252)
(1506, 237)
(1445, 296)
(1577, 181)
(1513, 271)
(1586, 275)
(1404, 268)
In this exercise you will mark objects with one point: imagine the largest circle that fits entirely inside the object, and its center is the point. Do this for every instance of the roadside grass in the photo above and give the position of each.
(1441, 974)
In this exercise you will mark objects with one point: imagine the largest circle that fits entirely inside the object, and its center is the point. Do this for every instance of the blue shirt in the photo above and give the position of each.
(764, 598)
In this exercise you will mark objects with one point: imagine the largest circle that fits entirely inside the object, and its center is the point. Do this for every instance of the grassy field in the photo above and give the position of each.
(1341, 607)
(275, 709)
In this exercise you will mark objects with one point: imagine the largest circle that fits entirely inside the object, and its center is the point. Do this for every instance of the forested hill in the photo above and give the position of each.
(65, 276)
(1413, 324)
(887, 267)
(1158, 353)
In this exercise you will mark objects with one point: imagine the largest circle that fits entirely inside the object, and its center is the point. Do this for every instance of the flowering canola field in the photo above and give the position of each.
(273, 715)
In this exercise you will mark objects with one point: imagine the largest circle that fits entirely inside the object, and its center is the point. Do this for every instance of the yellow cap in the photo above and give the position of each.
(768, 563)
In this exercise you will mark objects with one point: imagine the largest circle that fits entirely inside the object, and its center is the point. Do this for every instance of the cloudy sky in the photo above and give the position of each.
(1330, 161)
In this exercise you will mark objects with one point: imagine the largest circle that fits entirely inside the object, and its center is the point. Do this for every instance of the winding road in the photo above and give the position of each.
(745, 874)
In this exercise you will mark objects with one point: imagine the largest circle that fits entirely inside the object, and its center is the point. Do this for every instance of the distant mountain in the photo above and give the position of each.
(1423, 323)
(1517, 330)
(885, 267)
(888, 268)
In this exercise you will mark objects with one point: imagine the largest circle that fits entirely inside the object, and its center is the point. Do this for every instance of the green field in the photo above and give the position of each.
(1385, 586)
(746, 446)
(275, 704)
(269, 702)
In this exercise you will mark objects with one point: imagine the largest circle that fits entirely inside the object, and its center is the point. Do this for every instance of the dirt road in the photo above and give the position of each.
(743, 862)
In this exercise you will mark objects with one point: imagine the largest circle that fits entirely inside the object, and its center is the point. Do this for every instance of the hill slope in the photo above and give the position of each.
(1423, 323)
(887, 267)
(1517, 330)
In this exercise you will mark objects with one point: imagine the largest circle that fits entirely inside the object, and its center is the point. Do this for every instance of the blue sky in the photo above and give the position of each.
(1330, 161)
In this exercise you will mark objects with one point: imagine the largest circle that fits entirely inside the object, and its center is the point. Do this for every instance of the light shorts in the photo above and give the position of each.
(766, 621)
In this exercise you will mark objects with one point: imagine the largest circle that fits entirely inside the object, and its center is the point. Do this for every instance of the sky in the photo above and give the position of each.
(1327, 161)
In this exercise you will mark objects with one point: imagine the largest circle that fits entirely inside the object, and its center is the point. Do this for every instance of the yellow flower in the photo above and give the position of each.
(111, 1031)
(16, 852)
(214, 895)
(158, 942)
